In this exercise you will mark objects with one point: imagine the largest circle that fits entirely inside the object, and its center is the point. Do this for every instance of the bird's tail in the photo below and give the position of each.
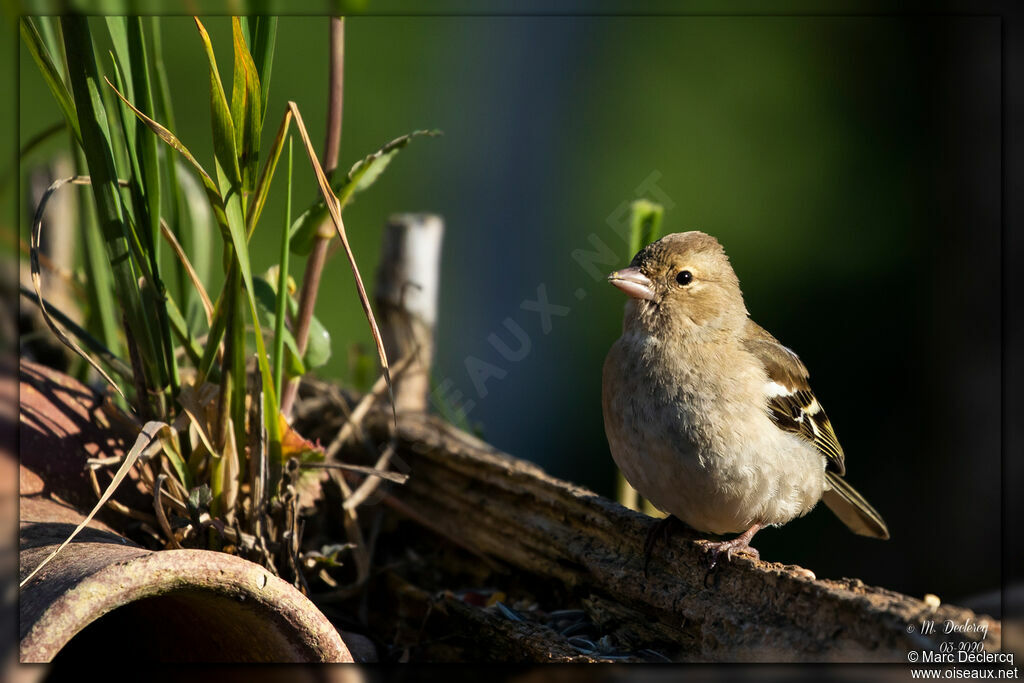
(852, 509)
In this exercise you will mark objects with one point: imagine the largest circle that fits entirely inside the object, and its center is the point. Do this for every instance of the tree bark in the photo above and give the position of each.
(509, 510)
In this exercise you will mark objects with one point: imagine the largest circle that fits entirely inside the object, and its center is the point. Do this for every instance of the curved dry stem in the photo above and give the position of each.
(34, 250)
(192, 274)
(334, 207)
(161, 516)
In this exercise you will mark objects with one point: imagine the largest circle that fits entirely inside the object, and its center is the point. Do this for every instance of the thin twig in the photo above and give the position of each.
(316, 261)
(161, 516)
(370, 484)
(363, 407)
(396, 477)
(192, 275)
(354, 533)
(116, 506)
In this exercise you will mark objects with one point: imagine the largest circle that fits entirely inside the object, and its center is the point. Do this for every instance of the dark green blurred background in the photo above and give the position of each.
(850, 166)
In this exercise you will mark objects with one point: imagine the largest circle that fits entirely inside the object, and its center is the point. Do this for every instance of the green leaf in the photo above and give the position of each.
(246, 108)
(318, 346)
(264, 36)
(36, 47)
(262, 189)
(224, 148)
(199, 499)
(361, 176)
(143, 220)
(51, 40)
(180, 468)
(644, 224)
(266, 302)
(104, 318)
(195, 222)
(145, 143)
(177, 210)
(212, 193)
(230, 183)
(181, 329)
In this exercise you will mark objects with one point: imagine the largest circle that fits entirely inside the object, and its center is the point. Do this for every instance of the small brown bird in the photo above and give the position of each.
(707, 415)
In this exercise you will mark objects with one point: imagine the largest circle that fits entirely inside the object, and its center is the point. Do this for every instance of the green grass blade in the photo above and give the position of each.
(149, 166)
(262, 189)
(213, 339)
(103, 318)
(174, 209)
(644, 224)
(96, 142)
(178, 463)
(145, 143)
(43, 59)
(224, 148)
(246, 104)
(51, 40)
(212, 193)
(264, 36)
(282, 285)
(137, 207)
(230, 183)
(180, 328)
(92, 343)
(196, 222)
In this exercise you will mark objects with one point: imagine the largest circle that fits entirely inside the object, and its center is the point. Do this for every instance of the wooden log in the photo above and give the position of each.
(509, 509)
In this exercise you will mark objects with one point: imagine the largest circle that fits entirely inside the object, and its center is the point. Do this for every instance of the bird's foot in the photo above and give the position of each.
(660, 530)
(739, 544)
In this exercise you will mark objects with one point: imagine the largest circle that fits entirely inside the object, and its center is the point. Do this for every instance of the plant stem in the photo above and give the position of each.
(315, 263)
(282, 288)
(336, 96)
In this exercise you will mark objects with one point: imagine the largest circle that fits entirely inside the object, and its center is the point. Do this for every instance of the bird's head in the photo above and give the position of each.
(682, 282)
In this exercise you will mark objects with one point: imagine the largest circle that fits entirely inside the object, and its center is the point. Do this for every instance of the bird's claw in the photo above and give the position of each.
(715, 550)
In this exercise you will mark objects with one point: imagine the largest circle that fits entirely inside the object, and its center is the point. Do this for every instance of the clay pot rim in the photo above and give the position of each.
(160, 573)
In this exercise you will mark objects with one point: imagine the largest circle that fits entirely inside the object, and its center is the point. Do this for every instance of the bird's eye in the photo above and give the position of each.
(684, 277)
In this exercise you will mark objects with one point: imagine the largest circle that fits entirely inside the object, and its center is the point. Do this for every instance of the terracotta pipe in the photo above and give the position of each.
(169, 605)
(103, 593)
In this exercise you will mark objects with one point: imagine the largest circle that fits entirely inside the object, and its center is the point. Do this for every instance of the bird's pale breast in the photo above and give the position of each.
(699, 445)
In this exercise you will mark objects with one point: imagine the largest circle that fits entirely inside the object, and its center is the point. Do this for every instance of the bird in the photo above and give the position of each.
(707, 415)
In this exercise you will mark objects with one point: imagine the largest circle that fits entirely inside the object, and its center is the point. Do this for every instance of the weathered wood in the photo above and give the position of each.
(408, 280)
(439, 627)
(748, 610)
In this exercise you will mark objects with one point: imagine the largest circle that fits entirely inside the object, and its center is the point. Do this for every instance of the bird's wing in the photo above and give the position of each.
(791, 402)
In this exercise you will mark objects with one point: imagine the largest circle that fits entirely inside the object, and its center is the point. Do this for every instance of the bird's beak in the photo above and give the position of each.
(632, 282)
